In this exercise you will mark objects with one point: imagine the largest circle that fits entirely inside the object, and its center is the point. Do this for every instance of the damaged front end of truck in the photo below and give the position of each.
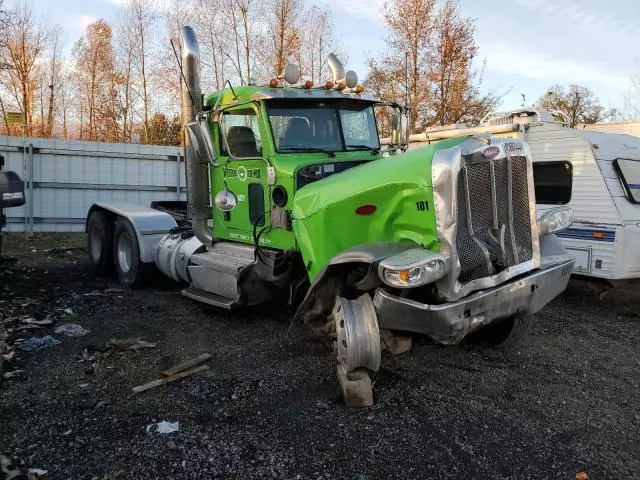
(449, 244)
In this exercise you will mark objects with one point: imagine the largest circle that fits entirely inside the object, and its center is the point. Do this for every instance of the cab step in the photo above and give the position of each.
(210, 298)
(216, 271)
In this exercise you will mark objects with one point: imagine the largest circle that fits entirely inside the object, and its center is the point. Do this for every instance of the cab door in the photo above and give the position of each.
(244, 173)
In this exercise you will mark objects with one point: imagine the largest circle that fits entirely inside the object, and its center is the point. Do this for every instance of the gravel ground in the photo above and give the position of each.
(565, 401)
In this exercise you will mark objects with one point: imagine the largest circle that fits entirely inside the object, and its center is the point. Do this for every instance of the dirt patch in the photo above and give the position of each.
(565, 401)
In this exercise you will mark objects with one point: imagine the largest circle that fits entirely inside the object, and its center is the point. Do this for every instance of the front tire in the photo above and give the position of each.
(126, 255)
(508, 332)
(100, 242)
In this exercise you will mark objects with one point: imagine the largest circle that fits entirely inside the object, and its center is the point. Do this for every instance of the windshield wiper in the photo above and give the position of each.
(374, 151)
(308, 149)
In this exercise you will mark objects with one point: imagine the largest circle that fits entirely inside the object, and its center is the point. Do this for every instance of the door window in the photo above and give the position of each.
(240, 128)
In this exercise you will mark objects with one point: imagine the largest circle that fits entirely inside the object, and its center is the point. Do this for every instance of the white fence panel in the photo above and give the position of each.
(64, 177)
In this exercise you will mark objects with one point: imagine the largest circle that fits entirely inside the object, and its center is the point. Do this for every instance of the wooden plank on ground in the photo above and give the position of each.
(162, 381)
(188, 364)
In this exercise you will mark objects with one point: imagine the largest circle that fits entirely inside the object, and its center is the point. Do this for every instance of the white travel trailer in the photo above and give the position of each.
(596, 173)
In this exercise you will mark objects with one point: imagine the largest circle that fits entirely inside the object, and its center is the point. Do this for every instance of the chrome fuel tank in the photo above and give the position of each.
(173, 253)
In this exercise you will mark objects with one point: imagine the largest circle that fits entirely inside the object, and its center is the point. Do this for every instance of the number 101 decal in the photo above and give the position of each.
(422, 206)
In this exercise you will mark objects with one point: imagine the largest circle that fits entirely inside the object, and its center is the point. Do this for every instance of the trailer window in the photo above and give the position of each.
(553, 182)
(629, 172)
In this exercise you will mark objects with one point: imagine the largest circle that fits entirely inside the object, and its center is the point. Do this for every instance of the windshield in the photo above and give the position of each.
(323, 126)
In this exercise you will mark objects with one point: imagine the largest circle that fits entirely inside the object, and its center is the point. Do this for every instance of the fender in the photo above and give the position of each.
(329, 282)
(150, 225)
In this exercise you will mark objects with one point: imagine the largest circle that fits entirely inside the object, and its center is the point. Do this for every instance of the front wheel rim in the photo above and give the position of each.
(125, 252)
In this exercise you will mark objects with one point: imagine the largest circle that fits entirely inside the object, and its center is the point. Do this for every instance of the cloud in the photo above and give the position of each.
(507, 58)
(366, 9)
(86, 20)
(579, 18)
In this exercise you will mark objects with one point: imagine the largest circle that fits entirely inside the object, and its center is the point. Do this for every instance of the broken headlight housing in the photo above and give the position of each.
(412, 268)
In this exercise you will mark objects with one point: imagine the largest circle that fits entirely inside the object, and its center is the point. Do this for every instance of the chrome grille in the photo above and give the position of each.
(494, 229)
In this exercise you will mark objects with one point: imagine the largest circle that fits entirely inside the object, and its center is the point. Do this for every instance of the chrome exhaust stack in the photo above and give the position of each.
(197, 155)
(336, 67)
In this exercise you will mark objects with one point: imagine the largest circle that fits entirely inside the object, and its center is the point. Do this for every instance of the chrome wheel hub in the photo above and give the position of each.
(357, 333)
(125, 252)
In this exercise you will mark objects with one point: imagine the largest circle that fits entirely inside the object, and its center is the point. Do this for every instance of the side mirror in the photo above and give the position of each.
(399, 130)
(395, 129)
(11, 190)
(403, 129)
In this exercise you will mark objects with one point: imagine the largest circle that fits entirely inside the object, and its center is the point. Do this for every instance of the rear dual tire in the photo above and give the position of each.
(114, 247)
(126, 255)
(100, 242)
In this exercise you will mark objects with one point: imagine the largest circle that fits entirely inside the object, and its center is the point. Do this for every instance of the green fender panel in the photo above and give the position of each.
(325, 221)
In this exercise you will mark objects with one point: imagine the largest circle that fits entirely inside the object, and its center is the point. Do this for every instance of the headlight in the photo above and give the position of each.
(412, 268)
(555, 220)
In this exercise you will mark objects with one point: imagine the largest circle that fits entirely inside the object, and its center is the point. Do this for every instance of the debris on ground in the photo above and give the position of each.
(188, 364)
(33, 321)
(12, 373)
(171, 378)
(395, 344)
(115, 290)
(163, 427)
(38, 472)
(9, 469)
(130, 344)
(71, 330)
(37, 343)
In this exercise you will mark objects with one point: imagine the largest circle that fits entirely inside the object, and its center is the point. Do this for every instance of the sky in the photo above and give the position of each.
(528, 45)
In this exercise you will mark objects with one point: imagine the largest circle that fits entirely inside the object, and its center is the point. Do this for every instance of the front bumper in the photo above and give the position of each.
(448, 323)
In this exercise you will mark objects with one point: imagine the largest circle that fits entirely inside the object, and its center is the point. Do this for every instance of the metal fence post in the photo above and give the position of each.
(178, 187)
(30, 201)
(25, 171)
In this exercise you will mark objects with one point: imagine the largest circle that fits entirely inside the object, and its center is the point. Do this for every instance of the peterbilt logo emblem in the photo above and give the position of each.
(511, 147)
(490, 152)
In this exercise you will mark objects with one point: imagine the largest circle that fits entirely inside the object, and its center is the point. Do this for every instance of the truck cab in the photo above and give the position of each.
(272, 141)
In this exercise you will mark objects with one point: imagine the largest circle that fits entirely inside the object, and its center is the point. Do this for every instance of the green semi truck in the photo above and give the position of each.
(292, 196)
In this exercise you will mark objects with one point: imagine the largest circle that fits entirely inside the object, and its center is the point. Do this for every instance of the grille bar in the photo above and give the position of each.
(494, 199)
(510, 203)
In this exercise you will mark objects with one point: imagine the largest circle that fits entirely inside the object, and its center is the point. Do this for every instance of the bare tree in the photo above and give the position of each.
(454, 95)
(429, 61)
(95, 70)
(284, 31)
(210, 23)
(632, 98)
(410, 25)
(141, 17)
(23, 41)
(577, 102)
